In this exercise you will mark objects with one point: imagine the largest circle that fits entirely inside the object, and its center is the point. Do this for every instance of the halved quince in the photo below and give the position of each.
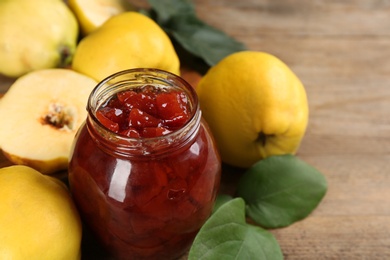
(39, 116)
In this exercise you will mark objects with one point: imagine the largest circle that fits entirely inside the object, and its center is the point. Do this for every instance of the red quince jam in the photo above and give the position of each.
(147, 111)
(145, 205)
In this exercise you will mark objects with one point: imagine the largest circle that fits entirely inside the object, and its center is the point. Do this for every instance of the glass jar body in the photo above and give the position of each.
(144, 205)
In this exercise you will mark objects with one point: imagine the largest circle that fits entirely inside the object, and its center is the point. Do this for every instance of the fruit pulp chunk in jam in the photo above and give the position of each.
(147, 111)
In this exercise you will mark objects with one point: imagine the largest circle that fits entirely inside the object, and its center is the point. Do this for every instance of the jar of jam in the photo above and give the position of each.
(144, 169)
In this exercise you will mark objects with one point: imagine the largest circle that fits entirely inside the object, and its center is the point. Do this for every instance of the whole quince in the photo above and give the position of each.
(255, 106)
(125, 41)
(38, 218)
(35, 35)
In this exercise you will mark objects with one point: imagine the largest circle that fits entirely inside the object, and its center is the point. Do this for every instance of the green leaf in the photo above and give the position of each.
(179, 20)
(221, 199)
(201, 39)
(281, 190)
(226, 235)
(166, 9)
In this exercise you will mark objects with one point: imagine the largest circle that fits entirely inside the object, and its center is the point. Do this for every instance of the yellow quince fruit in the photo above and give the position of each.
(125, 41)
(255, 106)
(38, 218)
(91, 14)
(35, 35)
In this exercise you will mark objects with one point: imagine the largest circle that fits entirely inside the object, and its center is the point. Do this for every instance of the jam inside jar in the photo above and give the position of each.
(144, 169)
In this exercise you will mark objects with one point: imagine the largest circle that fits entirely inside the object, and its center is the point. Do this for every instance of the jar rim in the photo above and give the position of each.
(139, 75)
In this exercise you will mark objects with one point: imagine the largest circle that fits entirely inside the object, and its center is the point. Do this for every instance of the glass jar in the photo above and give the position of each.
(144, 198)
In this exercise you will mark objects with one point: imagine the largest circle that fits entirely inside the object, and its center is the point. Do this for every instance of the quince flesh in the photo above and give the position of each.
(39, 116)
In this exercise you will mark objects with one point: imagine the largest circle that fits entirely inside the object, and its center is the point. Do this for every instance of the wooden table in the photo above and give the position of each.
(340, 50)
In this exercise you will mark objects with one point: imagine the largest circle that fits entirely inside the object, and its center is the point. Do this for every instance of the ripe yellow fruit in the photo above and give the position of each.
(93, 13)
(125, 41)
(35, 35)
(255, 106)
(38, 218)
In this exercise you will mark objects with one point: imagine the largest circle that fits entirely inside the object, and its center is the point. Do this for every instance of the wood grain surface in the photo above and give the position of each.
(340, 50)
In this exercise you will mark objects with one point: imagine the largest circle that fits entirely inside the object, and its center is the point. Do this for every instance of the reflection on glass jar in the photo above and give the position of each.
(144, 196)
